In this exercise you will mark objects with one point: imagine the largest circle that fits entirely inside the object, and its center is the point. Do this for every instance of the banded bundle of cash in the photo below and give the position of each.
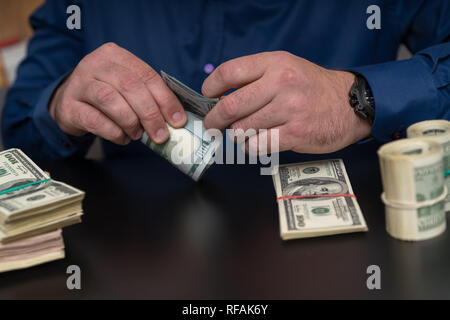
(414, 189)
(31, 203)
(439, 131)
(191, 148)
(316, 199)
(32, 251)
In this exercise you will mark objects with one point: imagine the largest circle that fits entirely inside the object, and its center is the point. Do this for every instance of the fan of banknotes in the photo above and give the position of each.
(189, 150)
(32, 209)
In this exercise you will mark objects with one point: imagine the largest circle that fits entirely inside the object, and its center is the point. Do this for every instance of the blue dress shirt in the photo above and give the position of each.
(187, 39)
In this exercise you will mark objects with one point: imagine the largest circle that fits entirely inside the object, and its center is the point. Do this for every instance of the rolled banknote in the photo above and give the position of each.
(316, 199)
(191, 149)
(414, 189)
(439, 131)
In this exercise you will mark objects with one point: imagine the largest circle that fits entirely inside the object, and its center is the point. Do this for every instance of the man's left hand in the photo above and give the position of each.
(308, 104)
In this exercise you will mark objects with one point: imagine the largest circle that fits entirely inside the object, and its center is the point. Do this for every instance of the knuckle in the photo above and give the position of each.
(117, 135)
(129, 82)
(228, 107)
(88, 61)
(148, 76)
(105, 94)
(281, 56)
(288, 76)
(131, 122)
(168, 103)
(227, 71)
(92, 121)
(151, 114)
(108, 47)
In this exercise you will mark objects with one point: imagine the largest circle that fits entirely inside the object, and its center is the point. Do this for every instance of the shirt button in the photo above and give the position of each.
(208, 68)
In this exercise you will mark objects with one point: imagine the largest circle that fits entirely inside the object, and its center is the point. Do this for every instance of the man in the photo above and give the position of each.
(283, 62)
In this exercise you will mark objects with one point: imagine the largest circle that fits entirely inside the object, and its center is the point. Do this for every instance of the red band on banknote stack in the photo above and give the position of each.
(316, 196)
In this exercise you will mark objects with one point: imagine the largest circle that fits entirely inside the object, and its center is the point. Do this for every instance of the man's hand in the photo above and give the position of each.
(115, 95)
(277, 90)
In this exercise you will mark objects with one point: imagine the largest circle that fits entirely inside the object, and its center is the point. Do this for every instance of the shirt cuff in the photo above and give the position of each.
(404, 94)
(61, 143)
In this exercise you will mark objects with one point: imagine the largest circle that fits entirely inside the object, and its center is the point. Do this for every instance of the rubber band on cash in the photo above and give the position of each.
(316, 196)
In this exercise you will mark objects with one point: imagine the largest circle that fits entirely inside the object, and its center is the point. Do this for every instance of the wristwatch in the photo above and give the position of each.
(361, 98)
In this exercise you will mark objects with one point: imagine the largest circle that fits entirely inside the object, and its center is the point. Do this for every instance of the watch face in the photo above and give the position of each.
(368, 96)
(362, 100)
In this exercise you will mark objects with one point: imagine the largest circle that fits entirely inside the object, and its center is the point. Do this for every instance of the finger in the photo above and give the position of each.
(234, 74)
(267, 141)
(138, 97)
(168, 103)
(90, 119)
(109, 101)
(271, 115)
(239, 104)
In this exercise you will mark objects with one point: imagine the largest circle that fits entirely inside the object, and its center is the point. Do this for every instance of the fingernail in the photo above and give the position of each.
(162, 134)
(177, 117)
(139, 134)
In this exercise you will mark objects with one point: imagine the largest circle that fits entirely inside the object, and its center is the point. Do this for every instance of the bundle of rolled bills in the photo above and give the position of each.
(190, 149)
(32, 251)
(414, 189)
(316, 199)
(439, 131)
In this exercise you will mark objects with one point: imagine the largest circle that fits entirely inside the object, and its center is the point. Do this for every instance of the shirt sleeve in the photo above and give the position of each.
(416, 89)
(52, 53)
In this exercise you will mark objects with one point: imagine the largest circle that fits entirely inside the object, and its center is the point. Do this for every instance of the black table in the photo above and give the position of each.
(150, 232)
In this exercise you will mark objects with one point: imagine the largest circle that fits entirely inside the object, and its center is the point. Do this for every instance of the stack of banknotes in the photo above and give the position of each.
(32, 251)
(316, 199)
(32, 204)
(189, 150)
(415, 174)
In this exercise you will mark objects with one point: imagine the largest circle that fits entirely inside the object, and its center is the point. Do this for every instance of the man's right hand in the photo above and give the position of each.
(115, 95)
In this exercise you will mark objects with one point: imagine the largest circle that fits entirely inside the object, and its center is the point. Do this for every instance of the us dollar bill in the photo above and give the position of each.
(190, 149)
(312, 200)
(413, 184)
(32, 251)
(30, 201)
(439, 131)
(190, 99)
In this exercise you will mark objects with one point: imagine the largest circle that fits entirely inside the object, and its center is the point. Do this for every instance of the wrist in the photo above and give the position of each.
(360, 127)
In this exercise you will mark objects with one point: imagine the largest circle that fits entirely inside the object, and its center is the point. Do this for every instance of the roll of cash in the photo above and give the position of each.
(414, 189)
(191, 149)
(439, 131)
